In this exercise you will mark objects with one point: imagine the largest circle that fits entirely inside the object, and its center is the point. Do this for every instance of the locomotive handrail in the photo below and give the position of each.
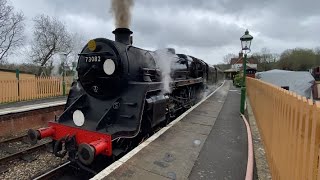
(96, 53)
(87, 72)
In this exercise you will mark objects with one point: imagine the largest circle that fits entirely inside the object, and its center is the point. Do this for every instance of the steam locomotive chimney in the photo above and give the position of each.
(123, 35)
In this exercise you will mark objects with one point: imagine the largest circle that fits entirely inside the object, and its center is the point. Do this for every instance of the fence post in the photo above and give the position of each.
(18, 78)
(63, 85)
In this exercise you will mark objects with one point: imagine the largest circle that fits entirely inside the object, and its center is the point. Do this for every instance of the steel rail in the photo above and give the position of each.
(50, 173)
(22, 152)
(19, 138)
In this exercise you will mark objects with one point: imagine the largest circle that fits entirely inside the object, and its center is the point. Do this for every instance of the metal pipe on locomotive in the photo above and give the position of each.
(118, 99)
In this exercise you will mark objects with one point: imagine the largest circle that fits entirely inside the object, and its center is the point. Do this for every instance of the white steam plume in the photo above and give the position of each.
(56, 63)
(164, 59)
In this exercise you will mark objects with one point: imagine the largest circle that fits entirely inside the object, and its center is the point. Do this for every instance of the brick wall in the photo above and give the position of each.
(18, 123)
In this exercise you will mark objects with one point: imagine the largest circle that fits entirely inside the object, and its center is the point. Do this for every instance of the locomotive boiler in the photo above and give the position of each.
(119, 98)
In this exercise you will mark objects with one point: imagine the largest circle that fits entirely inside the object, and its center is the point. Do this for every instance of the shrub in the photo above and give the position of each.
(237, 81)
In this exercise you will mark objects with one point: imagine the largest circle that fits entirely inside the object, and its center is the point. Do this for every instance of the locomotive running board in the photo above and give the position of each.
(179, 83)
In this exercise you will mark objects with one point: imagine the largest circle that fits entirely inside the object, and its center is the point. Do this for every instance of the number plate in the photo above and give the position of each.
(93, 59)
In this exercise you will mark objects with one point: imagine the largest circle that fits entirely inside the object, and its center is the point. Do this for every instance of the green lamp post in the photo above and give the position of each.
(245, 44)
(63, 62)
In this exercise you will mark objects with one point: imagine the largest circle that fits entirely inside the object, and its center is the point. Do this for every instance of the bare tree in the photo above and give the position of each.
(227, 58)
(317, 50)
(265, 58)
(11, 29)
(78, 42)
(69, 61)
(266, 55)
(275, 57)
(50, 37)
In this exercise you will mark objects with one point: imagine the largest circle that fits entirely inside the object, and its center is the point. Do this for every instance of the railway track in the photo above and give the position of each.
(23, 152)
(18, 147)
(51, 173)
(14, 139)
(18, 156)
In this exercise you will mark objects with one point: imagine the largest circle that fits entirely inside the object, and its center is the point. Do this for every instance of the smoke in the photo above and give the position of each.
(56, 62)
(208, 90)
(121, 10)
(164, 60)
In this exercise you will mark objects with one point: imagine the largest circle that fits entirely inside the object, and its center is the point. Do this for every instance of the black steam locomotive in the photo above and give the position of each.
(119, 97)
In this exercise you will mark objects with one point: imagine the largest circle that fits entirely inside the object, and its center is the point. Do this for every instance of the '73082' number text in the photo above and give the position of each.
(93, 59)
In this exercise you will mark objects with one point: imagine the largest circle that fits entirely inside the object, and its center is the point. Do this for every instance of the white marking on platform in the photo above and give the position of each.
(30, 107)
(104, 173)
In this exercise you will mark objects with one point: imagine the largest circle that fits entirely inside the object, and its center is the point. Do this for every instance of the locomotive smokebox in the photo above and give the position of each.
(123, 35)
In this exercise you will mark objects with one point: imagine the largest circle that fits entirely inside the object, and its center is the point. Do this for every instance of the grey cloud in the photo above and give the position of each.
(184, 32)
(204, 28)
(99, 8)
(222, 6)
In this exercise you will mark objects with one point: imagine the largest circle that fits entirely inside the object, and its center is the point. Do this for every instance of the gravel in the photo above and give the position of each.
(18, 169)
(262, 168)
(3, 138)
(18, 146)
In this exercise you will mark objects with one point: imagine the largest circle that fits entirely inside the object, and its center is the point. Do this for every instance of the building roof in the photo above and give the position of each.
(231, 70)
(238, 60)
(223, 66)
(234, 60)
(300, 82)
(248, 67)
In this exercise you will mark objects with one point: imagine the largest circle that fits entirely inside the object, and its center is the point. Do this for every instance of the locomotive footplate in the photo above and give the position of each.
(178, 83)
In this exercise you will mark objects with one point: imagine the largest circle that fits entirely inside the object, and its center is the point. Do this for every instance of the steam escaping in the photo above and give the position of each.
(55, 69)
(212, 87)
(56, 65)
(208, 90)
(121, 10)
(164, 59)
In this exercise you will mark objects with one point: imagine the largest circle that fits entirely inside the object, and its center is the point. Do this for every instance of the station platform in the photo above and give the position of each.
(209, 141)
(18, 107)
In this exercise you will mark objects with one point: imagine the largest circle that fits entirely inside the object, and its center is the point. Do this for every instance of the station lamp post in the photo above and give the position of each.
(245, 45)
(64, 59)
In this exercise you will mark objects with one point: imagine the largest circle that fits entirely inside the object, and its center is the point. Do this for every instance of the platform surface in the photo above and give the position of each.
(208, 143)
(16, 107)
(225, 152)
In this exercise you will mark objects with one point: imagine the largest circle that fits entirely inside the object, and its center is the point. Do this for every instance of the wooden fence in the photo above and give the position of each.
(290, 128)
(28, 89)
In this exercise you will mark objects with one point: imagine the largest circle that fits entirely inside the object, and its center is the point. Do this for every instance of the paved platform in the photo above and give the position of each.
(209, 143)
(17, 107)
(225, 152)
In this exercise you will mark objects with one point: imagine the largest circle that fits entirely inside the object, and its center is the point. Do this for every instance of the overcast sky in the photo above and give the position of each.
(208, 29)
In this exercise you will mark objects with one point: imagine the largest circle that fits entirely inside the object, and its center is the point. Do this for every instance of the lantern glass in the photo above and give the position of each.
(245, 45)
(246, 41)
